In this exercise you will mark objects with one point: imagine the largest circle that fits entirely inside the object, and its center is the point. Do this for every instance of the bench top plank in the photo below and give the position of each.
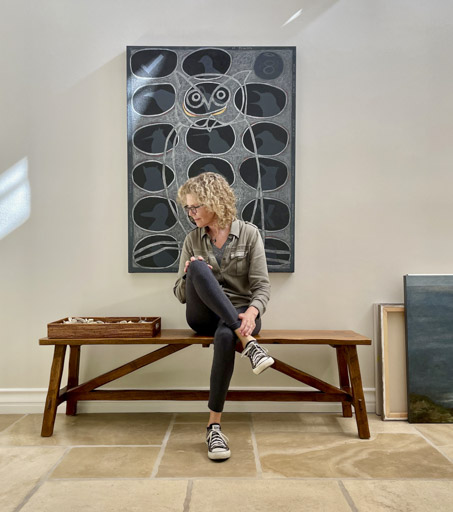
(187, 336)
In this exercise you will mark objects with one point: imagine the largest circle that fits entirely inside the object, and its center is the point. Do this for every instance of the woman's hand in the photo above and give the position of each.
(248, 321)
(193, 258)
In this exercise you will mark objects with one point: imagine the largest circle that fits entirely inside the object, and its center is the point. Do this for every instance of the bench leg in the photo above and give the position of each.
(344, 379)
(73, 378)
(50, 409)
(357, 392)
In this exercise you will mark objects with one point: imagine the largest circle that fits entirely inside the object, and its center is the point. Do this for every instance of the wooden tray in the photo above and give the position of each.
(112, 329)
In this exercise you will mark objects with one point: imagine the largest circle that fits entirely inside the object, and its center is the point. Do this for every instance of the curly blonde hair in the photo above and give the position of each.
(211, 190)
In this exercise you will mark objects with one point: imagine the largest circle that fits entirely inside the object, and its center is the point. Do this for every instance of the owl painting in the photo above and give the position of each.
(229, 110)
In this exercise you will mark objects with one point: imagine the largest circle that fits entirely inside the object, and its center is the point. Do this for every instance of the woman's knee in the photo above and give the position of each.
(196, 268)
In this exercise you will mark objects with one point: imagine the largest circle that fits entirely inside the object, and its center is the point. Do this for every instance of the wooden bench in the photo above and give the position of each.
(349, 393)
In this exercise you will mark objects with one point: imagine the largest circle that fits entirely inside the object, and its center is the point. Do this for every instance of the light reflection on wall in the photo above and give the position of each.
(14, 197)
(293, 17)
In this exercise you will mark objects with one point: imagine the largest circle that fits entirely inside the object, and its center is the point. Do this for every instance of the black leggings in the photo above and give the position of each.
(210, 312)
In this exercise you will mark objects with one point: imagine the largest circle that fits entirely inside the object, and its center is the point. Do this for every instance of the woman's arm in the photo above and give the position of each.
(180, 286)
(248, 321)
(260, 286)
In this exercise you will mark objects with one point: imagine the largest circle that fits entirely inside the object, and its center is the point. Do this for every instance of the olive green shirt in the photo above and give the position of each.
(242, 273)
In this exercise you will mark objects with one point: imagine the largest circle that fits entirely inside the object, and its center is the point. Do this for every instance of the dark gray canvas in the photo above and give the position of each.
(229, 110)
(429, 332)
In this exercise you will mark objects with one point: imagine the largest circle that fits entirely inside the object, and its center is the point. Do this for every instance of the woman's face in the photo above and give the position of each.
(202, 216)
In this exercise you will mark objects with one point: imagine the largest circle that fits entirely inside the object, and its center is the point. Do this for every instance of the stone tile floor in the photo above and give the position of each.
(286, 462)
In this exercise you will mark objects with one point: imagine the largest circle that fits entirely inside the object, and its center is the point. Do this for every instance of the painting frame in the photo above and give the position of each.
(271, 209)
(391, 390)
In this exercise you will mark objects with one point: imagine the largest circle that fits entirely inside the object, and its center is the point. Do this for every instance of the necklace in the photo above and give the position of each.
(220, 233)
(213, 240)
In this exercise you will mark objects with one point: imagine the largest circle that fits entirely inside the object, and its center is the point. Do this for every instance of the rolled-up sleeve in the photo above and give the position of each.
(180, 286)
(260, 286)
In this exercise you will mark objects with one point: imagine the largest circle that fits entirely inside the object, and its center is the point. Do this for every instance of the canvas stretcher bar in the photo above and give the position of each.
(393, 361)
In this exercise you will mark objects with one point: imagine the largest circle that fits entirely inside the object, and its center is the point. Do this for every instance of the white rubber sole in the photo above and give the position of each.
(219, 455)
(263, 366)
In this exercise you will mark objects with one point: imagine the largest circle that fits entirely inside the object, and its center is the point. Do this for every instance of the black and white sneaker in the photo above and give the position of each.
(258, 357)
(217, 443)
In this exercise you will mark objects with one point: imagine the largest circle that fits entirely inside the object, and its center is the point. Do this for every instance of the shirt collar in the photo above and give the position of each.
(234, 230)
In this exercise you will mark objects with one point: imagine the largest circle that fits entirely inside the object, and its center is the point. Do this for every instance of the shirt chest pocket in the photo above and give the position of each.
(238, 261)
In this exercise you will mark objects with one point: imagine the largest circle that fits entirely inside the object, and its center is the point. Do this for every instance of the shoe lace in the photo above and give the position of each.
(217, 440)
(255, 352)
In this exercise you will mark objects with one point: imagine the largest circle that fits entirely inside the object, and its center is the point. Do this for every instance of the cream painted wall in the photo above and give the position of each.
(374, 173)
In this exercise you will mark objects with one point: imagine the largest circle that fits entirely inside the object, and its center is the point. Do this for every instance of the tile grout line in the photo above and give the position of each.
(188, 499)
(84, 445)
(163, 447)
(434, 446)
(112, 445)
(12, 424)
(347, 496)
(259, 469)
(249, 478)
(42, 480)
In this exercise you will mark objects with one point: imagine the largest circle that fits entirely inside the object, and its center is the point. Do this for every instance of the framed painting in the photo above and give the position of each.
(229, 110)
(429, 332)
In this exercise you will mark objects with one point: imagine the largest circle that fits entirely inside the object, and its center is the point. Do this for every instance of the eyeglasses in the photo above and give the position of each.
(192, 209)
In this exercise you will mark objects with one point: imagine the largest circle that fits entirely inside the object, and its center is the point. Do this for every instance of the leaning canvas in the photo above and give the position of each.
(429, 332)
(229, 110)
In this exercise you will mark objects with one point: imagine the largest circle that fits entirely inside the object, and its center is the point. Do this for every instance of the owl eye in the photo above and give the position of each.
(194, 99)
(221, 96)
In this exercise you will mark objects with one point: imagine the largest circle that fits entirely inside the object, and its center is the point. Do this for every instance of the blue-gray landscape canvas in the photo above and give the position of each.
(429, 333)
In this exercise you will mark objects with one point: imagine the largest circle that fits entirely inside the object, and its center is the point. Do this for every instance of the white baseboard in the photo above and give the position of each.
(31, 401)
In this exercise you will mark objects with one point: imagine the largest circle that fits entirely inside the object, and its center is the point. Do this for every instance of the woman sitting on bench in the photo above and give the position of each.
(224, 282)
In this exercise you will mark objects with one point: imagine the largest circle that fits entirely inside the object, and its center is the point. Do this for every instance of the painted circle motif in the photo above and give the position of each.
(208, 137)
(207, 63)
(277, 252)
(260, 100)
(154, 100)
(265, 139)
(153, 63)
(156, 251)
(150, 176)
(154, 213)
(276, 214)
(155, 139)
(273, 173)
(211, 164)
(268, 65)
